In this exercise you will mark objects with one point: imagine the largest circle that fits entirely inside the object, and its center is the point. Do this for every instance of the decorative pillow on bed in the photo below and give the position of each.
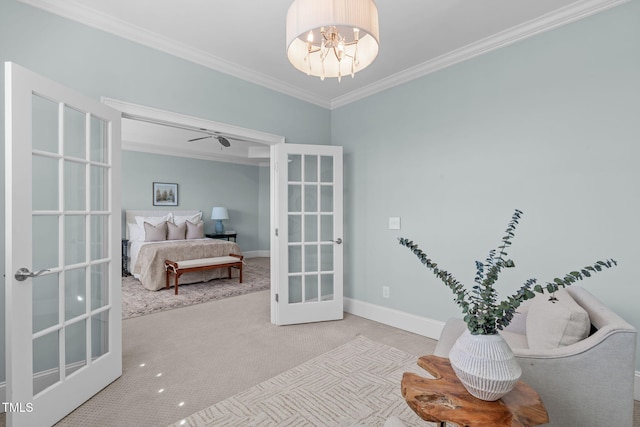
(176, 232)
(195, 231)
(153, 220)
(181, 219)
(155, 233)
(136, 233)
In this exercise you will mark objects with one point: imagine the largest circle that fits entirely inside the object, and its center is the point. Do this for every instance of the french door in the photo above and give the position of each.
(307, 221)
(63, 310)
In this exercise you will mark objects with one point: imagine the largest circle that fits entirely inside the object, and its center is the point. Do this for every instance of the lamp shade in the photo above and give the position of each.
(332, 38)
(219, 213)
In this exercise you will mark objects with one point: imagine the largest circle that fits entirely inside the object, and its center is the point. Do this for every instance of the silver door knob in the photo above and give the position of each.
(24, 273)
(338, 241)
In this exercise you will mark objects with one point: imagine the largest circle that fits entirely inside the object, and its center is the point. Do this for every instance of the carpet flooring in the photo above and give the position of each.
(139, 301)
(357, 383)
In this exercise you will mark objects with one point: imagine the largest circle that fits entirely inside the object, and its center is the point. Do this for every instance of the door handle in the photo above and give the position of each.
(23, 274)
(337, 241)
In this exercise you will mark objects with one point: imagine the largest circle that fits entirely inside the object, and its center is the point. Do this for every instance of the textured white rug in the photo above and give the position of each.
(357, 383)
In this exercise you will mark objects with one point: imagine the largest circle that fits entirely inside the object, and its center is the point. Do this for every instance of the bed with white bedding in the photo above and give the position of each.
(148, 249)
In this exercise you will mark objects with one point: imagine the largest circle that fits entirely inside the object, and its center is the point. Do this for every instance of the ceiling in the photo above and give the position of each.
(246, 39)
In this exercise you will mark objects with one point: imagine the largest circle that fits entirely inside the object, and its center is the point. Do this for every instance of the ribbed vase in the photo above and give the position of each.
(485, 365)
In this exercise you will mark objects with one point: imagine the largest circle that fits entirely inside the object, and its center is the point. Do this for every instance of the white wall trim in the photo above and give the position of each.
(636, 387)
(156, 115)
(257, 254)
(79, 12)
(399, 319)
(563, 16)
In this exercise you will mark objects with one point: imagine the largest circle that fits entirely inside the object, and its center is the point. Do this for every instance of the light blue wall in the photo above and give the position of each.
(201, 185)
(100, 64)
(549, 125)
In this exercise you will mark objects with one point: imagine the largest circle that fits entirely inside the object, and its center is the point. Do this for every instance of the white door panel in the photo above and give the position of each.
(63, 222)
(307, 248)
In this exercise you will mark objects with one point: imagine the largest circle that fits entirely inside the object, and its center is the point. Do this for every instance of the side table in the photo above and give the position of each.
(444, 399)
(125, 257)
(226, 236)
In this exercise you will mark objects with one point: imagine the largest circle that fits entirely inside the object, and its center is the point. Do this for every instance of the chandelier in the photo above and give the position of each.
(332, 38)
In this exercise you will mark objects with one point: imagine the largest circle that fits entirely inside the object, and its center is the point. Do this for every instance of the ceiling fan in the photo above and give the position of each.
(221, 139)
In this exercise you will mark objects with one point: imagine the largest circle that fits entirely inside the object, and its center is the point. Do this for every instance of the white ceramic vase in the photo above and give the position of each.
(485, 365)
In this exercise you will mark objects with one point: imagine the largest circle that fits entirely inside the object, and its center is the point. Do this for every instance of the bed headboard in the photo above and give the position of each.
(130, 216)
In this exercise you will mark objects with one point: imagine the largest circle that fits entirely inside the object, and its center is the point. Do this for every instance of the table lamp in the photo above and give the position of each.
(219, 213)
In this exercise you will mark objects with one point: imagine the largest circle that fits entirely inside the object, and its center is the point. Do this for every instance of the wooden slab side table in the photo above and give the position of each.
(444, 399)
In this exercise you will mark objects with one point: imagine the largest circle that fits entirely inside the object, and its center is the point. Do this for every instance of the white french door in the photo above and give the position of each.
(63, 310)
(307, 221)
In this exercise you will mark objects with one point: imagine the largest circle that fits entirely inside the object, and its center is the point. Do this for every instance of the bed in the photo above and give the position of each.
(146, 258)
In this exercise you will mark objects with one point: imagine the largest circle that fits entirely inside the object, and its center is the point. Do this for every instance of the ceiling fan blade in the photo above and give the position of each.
(224, 141)
(202, 137)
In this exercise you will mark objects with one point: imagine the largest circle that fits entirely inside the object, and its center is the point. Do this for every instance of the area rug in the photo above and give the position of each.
(356, 384)
(138, 301)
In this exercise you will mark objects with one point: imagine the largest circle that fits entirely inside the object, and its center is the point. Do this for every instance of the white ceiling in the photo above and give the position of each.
(246, 38)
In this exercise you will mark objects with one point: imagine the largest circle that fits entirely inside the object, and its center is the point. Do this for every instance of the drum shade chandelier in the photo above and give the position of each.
(332, 38)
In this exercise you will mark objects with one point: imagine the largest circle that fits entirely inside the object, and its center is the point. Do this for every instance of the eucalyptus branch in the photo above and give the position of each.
(483, 314)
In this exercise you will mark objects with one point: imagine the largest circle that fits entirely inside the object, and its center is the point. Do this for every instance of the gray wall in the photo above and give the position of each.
(548, 125)
(202, 184)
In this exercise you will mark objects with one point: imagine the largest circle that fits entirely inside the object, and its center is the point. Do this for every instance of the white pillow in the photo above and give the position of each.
(554, 324)
(153, 220)
(181, 219)
(136, 233)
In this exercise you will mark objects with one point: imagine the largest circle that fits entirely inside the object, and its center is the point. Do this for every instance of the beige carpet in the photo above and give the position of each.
(357, 383)
(139, 301)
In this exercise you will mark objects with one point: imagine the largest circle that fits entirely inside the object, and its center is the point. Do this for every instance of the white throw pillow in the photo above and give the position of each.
(181, 219)
(155, 233)
(153, 220)
(136, 233)
(553, 324)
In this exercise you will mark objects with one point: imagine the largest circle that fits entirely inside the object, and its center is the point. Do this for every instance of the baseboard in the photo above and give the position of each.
(257, 254)
(399, 319)
(418, 325)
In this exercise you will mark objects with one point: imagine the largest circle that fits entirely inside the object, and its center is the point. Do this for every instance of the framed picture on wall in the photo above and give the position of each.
(165, 194)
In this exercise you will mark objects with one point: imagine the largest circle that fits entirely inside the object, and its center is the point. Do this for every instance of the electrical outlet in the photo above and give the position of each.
(385, 292)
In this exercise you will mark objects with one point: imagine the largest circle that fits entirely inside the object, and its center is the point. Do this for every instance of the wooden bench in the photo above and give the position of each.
(187, 266)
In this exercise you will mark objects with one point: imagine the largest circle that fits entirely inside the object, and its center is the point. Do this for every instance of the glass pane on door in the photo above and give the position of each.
(70, 228)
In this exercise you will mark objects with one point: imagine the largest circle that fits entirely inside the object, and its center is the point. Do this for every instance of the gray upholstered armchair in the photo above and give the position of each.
(584, 372)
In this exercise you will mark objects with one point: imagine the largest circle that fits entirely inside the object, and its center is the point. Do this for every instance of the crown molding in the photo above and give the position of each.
(76, 11)
(558, 18)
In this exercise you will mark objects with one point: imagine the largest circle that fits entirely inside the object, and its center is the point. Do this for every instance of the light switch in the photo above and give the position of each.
(394, 223)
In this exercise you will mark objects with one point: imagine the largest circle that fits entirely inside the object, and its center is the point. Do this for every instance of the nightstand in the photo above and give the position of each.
(125, 257)
(226, 236)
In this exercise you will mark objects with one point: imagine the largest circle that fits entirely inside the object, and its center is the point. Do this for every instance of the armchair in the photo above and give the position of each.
(587, 383)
